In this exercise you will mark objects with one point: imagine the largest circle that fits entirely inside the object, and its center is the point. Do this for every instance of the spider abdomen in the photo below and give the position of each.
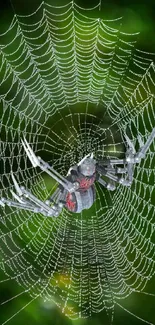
(80, 200)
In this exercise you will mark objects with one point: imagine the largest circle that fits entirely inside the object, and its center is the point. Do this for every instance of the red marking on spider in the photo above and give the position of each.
(86, 183)
(69, 203)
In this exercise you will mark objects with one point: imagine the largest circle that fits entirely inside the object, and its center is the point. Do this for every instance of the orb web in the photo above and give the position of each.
(73, 84)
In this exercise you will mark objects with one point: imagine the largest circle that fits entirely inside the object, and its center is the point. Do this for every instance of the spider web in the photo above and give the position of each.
(73, 83)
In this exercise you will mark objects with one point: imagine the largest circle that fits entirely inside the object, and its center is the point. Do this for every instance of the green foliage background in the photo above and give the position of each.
(138, 16)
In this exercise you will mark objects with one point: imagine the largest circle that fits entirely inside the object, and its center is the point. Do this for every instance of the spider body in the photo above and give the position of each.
(76, 191)
(79, 201)
(84, 196)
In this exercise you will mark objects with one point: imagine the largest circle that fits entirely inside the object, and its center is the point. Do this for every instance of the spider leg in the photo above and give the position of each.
(144, 148)
(54, 196)
(120, 179)
(114, 178)
(37, 161)
(109, 186)
(110, 169)
(130, 144)
(59, 198)
(117, 170)
(23, 206)
(27, 201)
(133, 158)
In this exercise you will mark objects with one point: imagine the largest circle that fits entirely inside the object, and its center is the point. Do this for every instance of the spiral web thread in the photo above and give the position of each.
(71, 84)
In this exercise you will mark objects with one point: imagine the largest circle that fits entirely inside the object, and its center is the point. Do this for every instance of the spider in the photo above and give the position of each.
(76, 191)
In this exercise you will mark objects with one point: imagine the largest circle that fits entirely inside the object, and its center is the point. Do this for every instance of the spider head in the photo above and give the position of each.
(87, 167)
